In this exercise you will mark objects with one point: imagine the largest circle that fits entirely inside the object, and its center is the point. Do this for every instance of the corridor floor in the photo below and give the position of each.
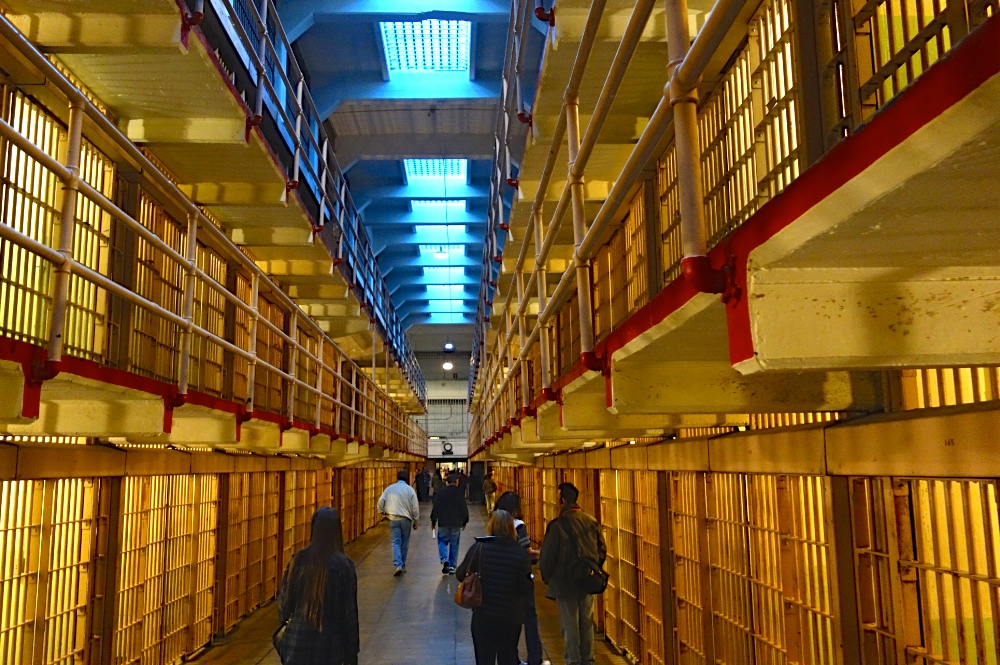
(404, 620)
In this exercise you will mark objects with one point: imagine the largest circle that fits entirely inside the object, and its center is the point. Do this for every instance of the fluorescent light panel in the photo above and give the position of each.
(444, 291)
(451, 170)
(445, 274)
(431, 45)
(442, 230)
(441, 251)
(435, 205)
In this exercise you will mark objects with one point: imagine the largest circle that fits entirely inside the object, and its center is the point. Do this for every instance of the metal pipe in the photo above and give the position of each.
(189, 288)
(67, 226)
(254, 318)
(582, 268)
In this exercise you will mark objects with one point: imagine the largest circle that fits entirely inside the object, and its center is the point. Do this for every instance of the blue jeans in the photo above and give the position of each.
(576, 619)
(399, 533)
(448, 537)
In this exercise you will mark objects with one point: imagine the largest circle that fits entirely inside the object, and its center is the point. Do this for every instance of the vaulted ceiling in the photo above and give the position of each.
(411, 89)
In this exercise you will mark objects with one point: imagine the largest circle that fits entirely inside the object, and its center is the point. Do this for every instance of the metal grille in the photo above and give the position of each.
(649, 568)
(30, 196)
(20, 524)
(671, 248)
(267, 394)
(205, 520)
(207, 358)
(927, 570)
(748, 130)
(770, 420)
(155, 341)
(155, 579)
(949, 386)
(687, 505)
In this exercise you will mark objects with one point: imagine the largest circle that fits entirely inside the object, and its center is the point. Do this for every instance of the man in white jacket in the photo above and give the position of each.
(399, 503)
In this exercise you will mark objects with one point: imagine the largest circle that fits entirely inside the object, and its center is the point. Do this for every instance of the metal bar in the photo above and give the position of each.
(67, 225)
(293, 360)
(584, 293)
(189, 288)
(254, 319)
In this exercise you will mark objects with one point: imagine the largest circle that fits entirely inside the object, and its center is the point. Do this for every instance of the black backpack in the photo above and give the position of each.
(585, 573)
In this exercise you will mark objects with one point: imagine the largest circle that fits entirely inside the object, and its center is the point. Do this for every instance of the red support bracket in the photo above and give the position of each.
(498, 259)
(252, 121)
(513, 182)
(547, 16)
(292, 184)
(524, 117)
(527, 412)
(592, 361)
(505, 227)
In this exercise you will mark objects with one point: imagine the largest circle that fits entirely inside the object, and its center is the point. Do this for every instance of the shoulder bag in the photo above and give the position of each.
(586, 574)
(470, 592)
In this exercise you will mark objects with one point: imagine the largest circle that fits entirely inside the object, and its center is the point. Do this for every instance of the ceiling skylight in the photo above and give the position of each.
(446, 275)
(451, 170)
(444, 291)
(441, 231)
(445, 305)
(441, 252)
(439, 206)
(432, 45)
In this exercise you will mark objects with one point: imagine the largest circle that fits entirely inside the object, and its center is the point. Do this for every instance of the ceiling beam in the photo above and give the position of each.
(329, 91)
(353, 148)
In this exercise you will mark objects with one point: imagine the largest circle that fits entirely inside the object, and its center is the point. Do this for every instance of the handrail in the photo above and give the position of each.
(295, 114)
(64, 262)
(690, 67)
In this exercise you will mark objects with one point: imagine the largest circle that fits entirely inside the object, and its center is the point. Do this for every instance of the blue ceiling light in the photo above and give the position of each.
(444, 275)
(441, 252)
(444, 291)
(432, 45)
(451, 170)
(436, 206)
(443, 230)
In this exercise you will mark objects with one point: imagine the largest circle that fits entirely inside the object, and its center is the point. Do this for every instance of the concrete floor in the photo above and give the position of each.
(409, 619)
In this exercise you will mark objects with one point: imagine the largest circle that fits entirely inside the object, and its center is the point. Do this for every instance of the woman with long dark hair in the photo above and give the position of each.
(504, 570)
(319, 599)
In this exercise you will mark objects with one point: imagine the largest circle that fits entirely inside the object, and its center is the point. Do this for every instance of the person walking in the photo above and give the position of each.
(574, 534)
(423, 486)
(399, 503)
(505, 574)
(437, 482)
(511, 502)
(450, 514)
(489, 491)
(318, 600)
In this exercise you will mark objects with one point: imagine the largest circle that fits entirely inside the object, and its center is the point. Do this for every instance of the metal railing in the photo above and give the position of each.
(68, 296)
(280, 95)
(749, 140)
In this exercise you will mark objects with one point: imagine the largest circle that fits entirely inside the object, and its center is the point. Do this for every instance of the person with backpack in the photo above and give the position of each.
(571, 563)
(511, 502)
(504, 572)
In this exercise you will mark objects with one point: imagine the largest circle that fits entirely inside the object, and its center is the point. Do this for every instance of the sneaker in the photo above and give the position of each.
(545, 662)
(451, 570)
(399, 571)
(445, 568)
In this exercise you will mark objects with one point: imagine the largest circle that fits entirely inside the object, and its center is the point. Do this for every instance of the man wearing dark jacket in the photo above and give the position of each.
(450, 515)
(574, 532)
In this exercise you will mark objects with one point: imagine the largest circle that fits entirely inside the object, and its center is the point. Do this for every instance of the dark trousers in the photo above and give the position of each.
(532, 640)
(495, 641)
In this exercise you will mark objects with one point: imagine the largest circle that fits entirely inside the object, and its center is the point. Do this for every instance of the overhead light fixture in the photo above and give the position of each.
(441, 254)
(447, 366)
(449, 347)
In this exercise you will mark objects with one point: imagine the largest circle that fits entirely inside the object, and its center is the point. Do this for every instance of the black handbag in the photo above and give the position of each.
(585, 573)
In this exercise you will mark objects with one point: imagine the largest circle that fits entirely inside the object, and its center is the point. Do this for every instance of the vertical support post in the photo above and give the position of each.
(702, 489)
(543, 298)
(254, 323)
(812, 46)
(663, 511)
(258, 104)
(41, 545)
(293, 361)
(522, 325)
(319, 384)
(222, 555)
(296, 165)
(194, 528)
(184, 372)
(110, 545)
(842, 549)
(583, 282)
(123, 267)
(67, 226)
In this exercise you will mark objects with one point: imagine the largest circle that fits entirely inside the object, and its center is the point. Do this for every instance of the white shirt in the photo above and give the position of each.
(399, 501)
